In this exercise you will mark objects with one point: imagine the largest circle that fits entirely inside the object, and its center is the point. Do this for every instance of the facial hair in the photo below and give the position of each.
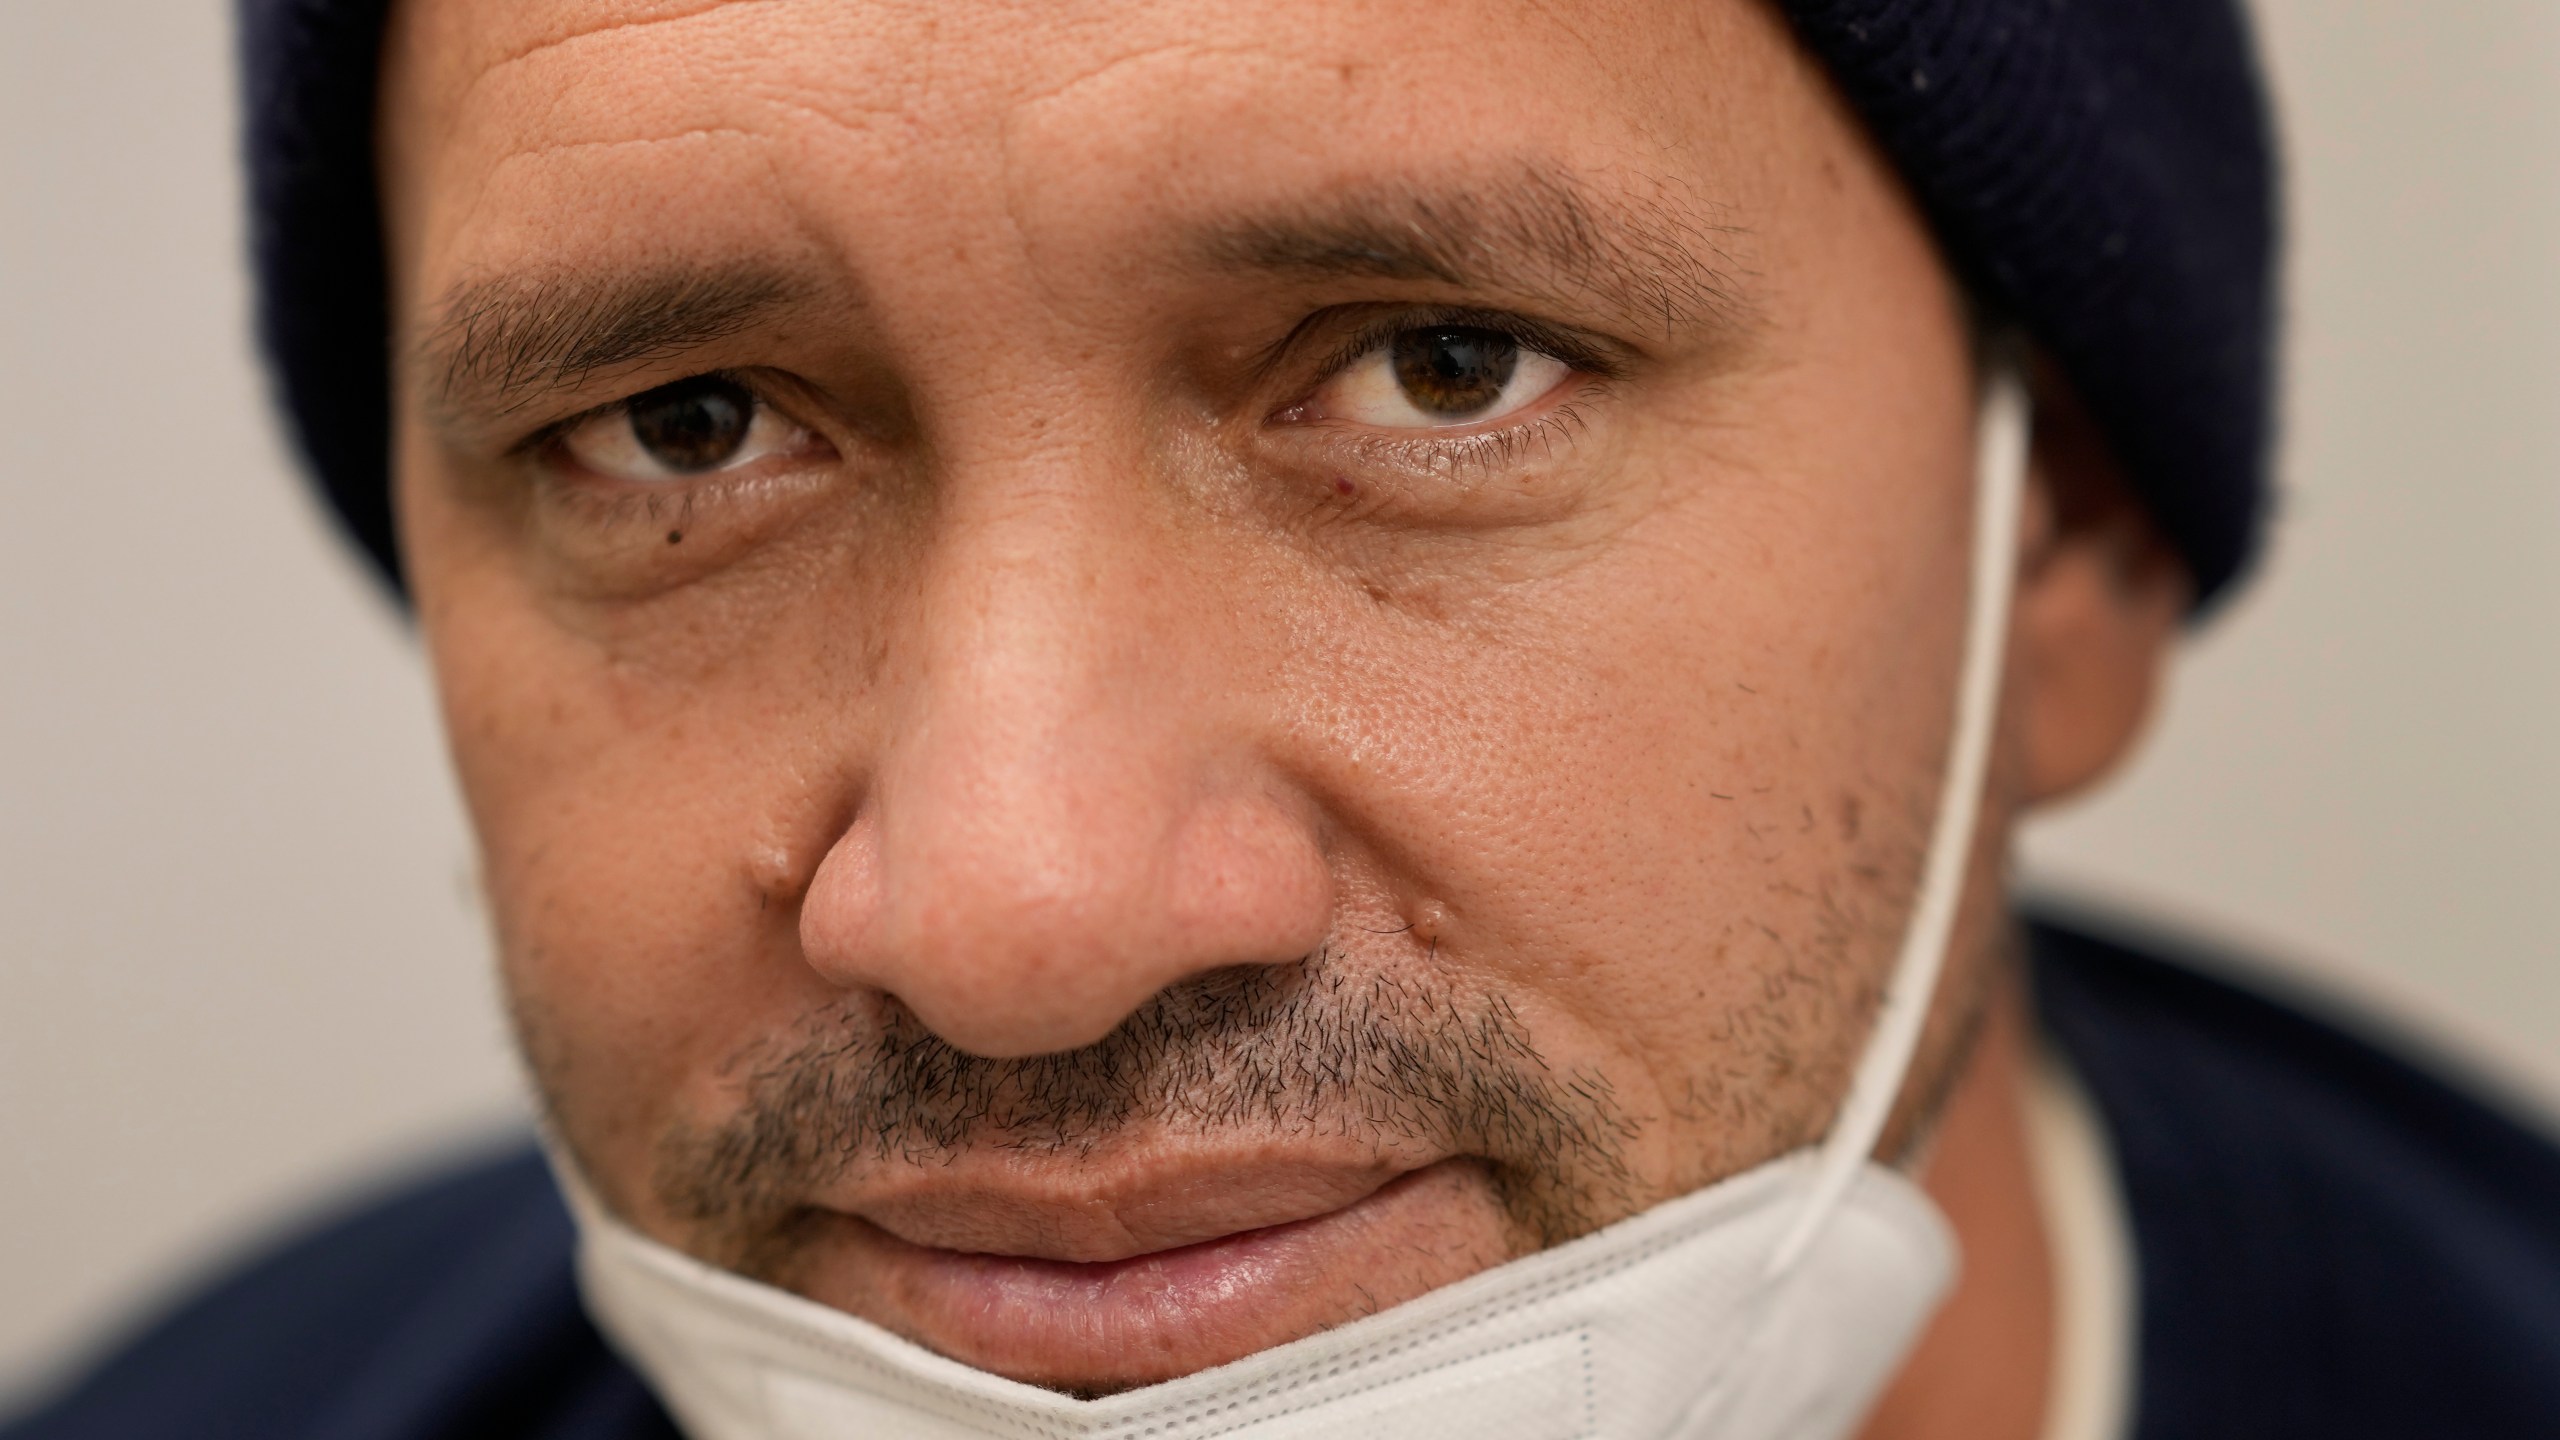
(1403, 1058)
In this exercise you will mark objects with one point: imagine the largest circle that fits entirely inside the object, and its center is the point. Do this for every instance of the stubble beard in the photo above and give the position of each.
(1397, 1053)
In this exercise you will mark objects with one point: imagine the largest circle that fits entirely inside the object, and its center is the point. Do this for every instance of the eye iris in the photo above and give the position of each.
(692, 424)
(1454, 371)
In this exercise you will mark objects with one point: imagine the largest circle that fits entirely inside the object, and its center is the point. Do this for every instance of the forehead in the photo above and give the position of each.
(515, 130)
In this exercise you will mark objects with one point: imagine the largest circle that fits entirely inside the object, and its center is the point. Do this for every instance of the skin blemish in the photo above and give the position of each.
(1429, 920)
(776, 877)
(675, 537)
(1342, 486)
(1853, 817)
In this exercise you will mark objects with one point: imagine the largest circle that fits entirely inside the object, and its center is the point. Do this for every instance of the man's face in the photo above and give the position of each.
(1236, 659)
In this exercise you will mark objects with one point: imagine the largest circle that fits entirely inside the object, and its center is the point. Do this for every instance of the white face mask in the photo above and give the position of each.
(1773, 1305)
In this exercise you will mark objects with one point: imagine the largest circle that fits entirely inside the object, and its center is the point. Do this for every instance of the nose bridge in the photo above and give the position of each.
(1065, 818)
(1043, 727)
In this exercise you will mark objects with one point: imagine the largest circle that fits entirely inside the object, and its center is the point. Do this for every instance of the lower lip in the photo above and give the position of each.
(1121, 1323)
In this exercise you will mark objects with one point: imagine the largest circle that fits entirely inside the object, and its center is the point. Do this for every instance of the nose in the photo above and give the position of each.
(1070, 811)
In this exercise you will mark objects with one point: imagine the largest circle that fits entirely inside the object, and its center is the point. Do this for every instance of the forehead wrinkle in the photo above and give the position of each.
(1651, 258)
(465, 197)
(478, 69)
(482, 74)
(546, 148)
(575, 34)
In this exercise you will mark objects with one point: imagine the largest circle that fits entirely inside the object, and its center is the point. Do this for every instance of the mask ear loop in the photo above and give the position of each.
(2000, 474)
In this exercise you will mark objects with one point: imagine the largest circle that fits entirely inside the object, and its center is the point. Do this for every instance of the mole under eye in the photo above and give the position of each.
(1435, 376)
(695, 426)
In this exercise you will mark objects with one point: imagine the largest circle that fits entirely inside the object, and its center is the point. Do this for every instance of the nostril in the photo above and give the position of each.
(1018, 1033)
(1017, 920)
(1001, 970)
(1201, 1009)
(1033, 1000)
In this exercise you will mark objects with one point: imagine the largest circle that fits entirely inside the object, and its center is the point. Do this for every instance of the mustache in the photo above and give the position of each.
(1309, 1048)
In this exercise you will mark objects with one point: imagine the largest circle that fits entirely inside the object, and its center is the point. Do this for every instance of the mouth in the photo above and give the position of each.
(1089, 1302)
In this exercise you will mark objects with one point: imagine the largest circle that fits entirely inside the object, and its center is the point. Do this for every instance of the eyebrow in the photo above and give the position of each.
(501, 343)
(1650, 259)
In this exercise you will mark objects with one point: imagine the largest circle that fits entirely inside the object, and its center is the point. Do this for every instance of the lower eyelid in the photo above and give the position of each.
(606, 529)
(1571, 392)
(1440, 459)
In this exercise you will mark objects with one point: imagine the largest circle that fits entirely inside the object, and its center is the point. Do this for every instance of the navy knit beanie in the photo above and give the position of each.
(2099, 171)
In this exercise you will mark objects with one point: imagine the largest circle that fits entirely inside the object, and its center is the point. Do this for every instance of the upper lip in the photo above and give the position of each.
(1090, 1209)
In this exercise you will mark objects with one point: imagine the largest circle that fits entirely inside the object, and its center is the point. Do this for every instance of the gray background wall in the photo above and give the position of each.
(239, 961)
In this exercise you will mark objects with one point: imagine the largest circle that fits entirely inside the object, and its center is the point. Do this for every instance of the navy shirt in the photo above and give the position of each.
(2333, 1244)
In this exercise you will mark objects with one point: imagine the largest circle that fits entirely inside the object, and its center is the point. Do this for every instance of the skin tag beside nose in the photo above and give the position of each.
(1539, 1389)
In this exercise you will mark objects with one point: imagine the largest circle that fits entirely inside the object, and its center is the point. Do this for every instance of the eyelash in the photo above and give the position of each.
(548, 436)
(1484, 451)
(1574, 350)
(1479, 452)
(614, 510)
(602, 507)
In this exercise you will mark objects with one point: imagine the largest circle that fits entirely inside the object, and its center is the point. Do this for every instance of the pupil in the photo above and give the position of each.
(1454, 371)
(692, 424)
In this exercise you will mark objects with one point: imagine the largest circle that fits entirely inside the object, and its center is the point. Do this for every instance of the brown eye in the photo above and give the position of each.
(1452, 372)
(685, 429)
(1435, 377)
(692, 425)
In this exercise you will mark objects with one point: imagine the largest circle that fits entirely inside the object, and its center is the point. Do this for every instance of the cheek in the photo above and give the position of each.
(1673, 798)
(641, 871)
